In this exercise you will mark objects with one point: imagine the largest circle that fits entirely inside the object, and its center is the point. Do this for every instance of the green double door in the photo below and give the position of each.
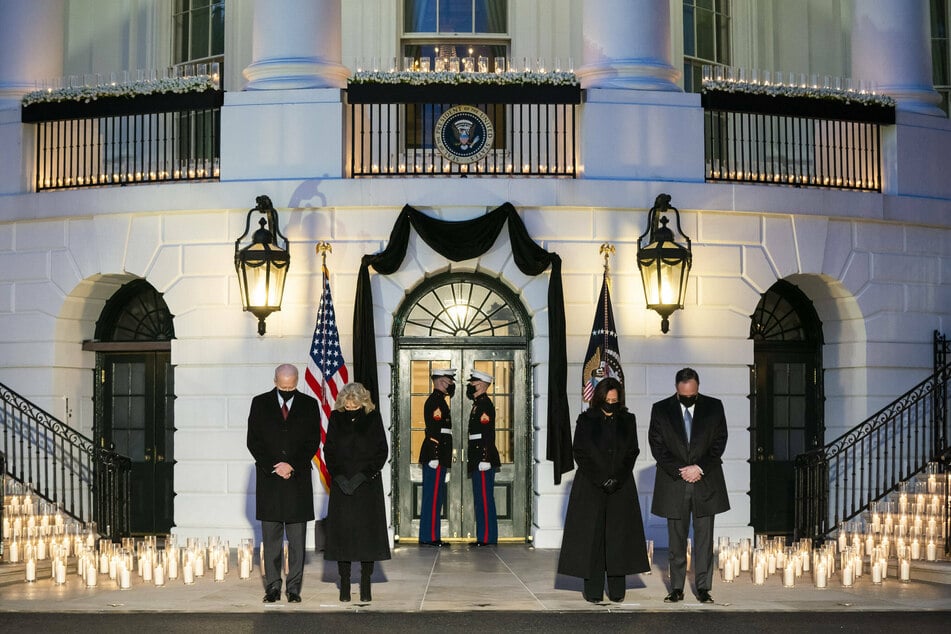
(511, 396)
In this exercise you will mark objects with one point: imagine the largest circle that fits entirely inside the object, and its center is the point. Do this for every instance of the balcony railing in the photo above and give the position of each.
(793, 141)
(392, 129)
(125, 140)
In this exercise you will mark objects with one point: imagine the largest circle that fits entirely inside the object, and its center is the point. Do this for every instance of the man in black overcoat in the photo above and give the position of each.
(283, 436)
(688, 435)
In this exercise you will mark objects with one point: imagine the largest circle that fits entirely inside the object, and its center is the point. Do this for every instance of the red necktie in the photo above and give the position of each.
(284, 410)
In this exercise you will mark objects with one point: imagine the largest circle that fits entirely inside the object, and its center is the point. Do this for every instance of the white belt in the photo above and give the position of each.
(475, 436)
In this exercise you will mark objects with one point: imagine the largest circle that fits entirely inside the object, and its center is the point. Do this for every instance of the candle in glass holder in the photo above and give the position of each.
(876, 572)
(745, 560)
(759, 573)
(220, 570)
(244, 569)
(91, 575)
(847, 575)
(821, 581)
(188, 572)
(789, 575)
(931, 551)
(59, 572)
(125, 578)
(30, 570)
(771, 564)
(904, 570)
(158, 575)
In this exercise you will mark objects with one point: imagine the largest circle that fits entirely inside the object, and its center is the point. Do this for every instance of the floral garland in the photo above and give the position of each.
(772, 90)
(416, 78)
(87, 94)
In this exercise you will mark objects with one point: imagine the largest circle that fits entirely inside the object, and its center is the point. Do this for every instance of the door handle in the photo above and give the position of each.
(453, 456)
(159, 458)
(148, 456)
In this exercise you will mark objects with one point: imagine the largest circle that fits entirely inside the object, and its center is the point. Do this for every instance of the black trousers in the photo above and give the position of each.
(272, 534)
(677, 531)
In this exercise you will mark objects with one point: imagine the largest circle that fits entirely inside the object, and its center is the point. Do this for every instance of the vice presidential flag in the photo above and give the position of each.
(603, 358)
(326, 370)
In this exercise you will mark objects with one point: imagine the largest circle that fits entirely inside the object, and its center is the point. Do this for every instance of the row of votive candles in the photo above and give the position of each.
(778, 78)
(466, 64)
(142, 75)
(793, 562)
(202, 168)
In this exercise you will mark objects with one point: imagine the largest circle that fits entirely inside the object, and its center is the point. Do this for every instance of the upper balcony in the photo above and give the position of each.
(525, 126)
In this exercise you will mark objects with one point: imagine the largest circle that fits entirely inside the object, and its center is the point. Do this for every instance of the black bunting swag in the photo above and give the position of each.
(464, 240)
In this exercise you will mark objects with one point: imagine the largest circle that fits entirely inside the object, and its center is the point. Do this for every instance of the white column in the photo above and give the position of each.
(31, 46)
(296, 44)
(627, 45)
(891, 48)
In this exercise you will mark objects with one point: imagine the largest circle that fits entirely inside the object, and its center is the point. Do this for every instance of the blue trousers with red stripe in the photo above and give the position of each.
(434, 496)
(483, 492)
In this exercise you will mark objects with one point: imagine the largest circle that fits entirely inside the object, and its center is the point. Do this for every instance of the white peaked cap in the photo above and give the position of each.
(476, 375)
(438, 372)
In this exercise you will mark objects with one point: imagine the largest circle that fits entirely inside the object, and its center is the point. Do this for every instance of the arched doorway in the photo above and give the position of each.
(786, 401)
(134, 393)
(464, 321)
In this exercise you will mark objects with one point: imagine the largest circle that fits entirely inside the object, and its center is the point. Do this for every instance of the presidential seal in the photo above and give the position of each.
(464, 134)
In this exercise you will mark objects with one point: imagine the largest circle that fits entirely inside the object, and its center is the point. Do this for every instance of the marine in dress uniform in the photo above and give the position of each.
(435, 455)
(482, 457)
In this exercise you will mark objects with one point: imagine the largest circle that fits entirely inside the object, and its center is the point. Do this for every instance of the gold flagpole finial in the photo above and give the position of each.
(322, 249)
(607, 250)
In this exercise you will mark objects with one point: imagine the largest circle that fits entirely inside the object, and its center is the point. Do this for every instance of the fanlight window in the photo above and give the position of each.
(462, 309)
(784, 313)
(136, 312)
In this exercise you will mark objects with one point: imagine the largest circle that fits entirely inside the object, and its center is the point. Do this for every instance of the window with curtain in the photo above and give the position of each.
(940, 60)
(198, 31)
(706, 38)
(455, 28)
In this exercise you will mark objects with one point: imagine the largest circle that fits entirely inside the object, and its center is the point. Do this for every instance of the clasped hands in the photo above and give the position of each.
(691, 473)
(283, 470)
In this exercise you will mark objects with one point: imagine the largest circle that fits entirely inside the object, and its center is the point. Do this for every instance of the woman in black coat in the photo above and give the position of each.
(604, 532)
(355, 451)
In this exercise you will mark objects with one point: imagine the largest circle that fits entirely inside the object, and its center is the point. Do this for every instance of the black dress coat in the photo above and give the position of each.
(481, 429)
(437, 444)
(271, 440)
(356, 451)
(604, 450)
(668, 441)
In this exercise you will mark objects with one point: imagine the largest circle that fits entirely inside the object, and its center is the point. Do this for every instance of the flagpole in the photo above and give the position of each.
(607, 250)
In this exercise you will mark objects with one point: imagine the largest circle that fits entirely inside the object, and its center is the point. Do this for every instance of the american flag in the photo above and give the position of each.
(326, 370)
(603, 358)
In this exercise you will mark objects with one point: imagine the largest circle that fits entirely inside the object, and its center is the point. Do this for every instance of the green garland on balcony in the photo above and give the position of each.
(88, 94)
(807, 92)
(416, 78)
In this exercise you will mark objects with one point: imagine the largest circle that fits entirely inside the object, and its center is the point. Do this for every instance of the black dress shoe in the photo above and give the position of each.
(435, 544)
(617, 599)
(293, 597)
(704, 596)
(674, 596)
(592, 600)
(272, 596)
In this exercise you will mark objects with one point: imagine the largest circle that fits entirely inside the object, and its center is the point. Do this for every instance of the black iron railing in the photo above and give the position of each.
(64, 467)
(392, 130)
(120, 141)
(838, 481)
(793, 141)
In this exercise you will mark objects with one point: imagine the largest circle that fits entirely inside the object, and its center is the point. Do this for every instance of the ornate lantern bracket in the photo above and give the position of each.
(664, 263)
(262, 265)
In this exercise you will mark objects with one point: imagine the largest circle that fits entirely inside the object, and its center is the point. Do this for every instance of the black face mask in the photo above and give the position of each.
(451, 389)
(470, 392)
(687, 401)
(611, 408)
(287, 394)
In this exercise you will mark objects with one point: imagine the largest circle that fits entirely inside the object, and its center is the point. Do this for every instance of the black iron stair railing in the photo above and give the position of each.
(90, 483)
(838, 481)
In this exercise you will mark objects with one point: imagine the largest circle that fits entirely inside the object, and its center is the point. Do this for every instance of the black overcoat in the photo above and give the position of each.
(602, 455)
(271, 440)
(668, 441)
(356, 523)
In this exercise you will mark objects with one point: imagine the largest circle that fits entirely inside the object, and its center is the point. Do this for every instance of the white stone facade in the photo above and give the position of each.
(876, 265)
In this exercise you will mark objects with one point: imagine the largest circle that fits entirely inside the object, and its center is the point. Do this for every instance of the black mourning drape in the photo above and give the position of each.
(465, 240)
